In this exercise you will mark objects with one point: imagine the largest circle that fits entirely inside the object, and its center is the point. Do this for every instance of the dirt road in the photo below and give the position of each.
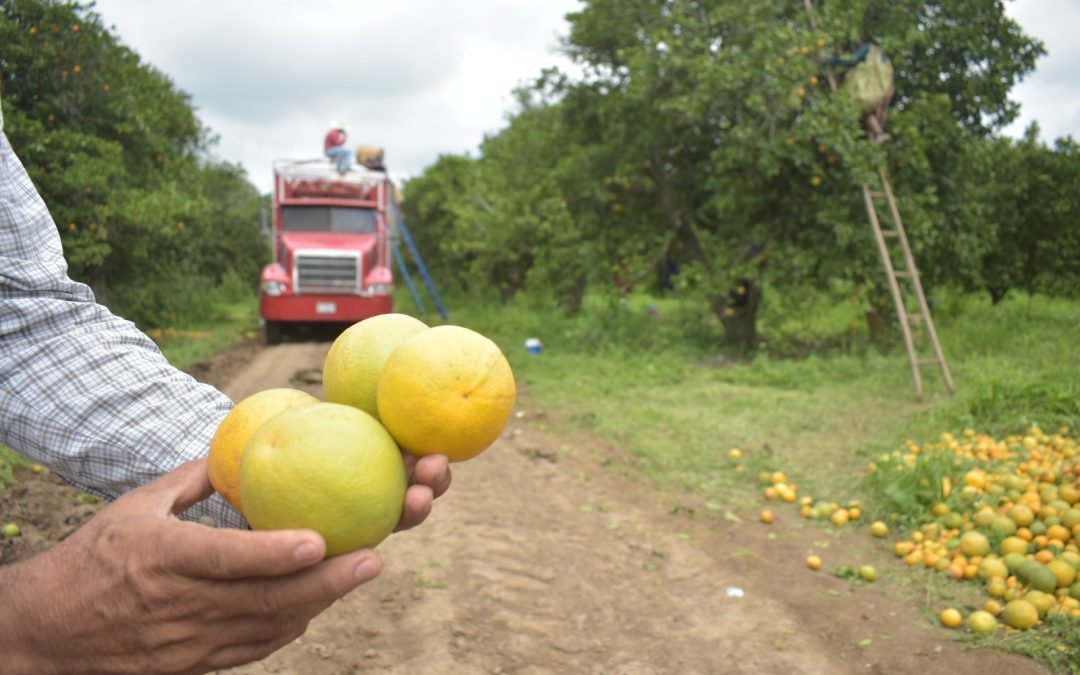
(551, 555)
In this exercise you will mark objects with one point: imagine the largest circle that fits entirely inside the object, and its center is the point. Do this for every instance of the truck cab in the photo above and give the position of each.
(331, 247)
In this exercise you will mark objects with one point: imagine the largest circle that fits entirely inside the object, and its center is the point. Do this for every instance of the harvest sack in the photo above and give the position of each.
(870, 80)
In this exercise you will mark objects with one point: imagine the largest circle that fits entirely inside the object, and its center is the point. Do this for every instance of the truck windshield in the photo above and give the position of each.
(327, 219)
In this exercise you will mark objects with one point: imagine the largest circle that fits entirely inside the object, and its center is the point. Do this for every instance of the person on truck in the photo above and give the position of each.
(139, 585)
(334, 147)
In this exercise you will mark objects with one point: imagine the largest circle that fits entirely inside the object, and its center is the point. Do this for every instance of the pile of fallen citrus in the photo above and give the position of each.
(1008, 517)
(284, 459)
(1001, 513)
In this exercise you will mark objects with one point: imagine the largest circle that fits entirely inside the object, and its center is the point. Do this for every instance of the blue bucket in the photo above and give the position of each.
(534, 346)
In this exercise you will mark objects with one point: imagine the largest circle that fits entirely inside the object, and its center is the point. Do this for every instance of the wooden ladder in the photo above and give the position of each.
(909, 272)
(906, 316)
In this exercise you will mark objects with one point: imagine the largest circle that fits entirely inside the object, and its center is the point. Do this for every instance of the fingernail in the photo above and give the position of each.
(307, 552)
(367, 570)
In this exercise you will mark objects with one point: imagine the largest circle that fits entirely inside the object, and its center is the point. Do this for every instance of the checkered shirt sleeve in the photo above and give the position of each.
(83, 391)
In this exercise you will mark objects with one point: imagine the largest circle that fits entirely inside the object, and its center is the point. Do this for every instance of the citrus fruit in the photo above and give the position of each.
(1013, 545)
(356, 358)
(1063, 571)
(327, 467)
(951, 617)
(1020, 614)
(868, 572)
(766, 516)
(992, 567)
(879, 529)
(1037, 576)
(10, 531)
(813, 562)
(446, 390)
(1042, 602)
(974, 543)
(227, 445)
(982, 622)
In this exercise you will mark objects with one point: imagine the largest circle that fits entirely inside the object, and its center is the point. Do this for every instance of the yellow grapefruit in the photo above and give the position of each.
(446, 390)
(356, 359)
(327, 467)
(227, 445)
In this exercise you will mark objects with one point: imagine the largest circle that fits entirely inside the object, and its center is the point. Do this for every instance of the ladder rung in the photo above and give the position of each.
(916, 317)
(876, 194)
(926, 362)
(902, 274)
(890, 233)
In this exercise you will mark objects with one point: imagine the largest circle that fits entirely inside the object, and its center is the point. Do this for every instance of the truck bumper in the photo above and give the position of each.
(319, 308)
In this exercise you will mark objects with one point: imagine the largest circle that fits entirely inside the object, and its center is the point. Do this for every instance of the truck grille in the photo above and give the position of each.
(327, 272)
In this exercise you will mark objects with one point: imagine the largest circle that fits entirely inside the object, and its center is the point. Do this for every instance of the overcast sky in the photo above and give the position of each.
(423, 77)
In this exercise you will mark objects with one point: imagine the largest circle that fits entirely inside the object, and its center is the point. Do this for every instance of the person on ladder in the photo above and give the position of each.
(870, 80)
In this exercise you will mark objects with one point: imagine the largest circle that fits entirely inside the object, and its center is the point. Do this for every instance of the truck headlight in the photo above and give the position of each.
(273, 288)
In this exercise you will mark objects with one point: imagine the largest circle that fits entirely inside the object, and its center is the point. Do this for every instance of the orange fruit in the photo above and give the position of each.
(327, 467)
(766, 516)
(879, 529)
(356, 358)
(813, 562)
(446, 390)
(951, 617)
(233, 433)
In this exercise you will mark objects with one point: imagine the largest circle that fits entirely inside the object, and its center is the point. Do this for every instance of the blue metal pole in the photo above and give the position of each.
(408, 279)
(423, 270)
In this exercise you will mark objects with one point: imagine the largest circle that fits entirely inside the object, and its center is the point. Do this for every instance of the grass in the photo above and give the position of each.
(9, 459)
(649, 376)
(226, 324)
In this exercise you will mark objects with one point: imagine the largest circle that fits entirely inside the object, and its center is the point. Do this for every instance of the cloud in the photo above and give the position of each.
(419, 77)
(1051, 95)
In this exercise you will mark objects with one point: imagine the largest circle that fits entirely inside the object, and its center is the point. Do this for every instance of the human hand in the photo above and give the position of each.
(136, 590)
(429, 477)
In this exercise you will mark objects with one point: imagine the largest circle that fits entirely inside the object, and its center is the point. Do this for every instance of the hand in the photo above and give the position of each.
(138, 590)
(429, 477)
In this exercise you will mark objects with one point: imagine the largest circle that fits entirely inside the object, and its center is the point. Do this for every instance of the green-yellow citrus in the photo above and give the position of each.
(982, 622)
(1020, 614)
(227, 445)
(974, 543)
(327, 467)
(355, 360)
(446, 390)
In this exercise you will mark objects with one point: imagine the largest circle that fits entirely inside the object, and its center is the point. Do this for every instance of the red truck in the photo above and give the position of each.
(331, 243)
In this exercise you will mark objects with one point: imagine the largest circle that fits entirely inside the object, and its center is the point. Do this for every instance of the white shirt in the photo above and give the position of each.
(83, 391)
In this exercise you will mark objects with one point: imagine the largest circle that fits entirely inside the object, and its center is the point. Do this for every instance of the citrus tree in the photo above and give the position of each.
(120, 158)
(703, 135)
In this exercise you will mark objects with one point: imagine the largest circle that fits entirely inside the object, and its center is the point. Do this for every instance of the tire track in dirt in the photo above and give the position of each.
(551, 555)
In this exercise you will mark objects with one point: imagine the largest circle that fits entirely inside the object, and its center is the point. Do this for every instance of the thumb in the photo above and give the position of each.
(175, 491)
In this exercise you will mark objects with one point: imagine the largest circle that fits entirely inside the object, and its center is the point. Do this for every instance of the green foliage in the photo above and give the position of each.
(1031, 198)
(704, 135)
(117, 153)
(9, 459)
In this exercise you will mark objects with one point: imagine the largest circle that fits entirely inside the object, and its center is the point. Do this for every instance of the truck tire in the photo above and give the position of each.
(272, 331)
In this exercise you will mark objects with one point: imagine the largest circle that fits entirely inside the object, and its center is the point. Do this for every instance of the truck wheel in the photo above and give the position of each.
(273, 332)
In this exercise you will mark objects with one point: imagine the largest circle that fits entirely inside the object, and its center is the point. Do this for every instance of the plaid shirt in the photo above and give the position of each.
(83, 391)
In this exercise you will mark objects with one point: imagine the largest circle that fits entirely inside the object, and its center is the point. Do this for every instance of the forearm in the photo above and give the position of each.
(98, 403)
